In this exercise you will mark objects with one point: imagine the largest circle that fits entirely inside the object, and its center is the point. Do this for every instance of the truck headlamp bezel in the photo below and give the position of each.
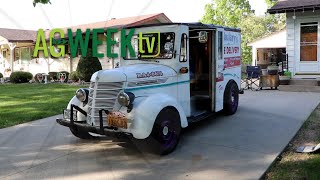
(82, 95)
(125, 98)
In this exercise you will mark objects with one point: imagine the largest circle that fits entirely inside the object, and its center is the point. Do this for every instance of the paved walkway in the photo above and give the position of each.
(237, 147)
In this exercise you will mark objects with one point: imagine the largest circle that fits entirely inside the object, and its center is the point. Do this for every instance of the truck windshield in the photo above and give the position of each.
(153, 46)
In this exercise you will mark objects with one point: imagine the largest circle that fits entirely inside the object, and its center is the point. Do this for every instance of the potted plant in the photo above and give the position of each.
(285, 79)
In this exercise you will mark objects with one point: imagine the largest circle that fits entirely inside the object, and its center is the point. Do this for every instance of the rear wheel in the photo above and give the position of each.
(80, 134)
(166, 131)
(231, 99)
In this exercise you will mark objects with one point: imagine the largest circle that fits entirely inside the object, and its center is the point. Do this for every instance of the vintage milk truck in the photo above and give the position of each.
(191, 72)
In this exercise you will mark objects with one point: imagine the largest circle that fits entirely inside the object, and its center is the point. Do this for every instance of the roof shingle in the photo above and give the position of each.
(29, 35)
(18, 35)
(118, 23)
(291, 5)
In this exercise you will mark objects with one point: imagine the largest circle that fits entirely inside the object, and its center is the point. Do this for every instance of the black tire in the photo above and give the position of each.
(166, 131)
(81, 134)
(231, 99)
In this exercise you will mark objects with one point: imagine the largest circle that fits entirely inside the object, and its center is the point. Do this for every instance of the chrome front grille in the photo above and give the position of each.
(102, 96)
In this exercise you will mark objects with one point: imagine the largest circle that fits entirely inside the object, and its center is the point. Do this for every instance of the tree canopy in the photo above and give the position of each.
(271, 3)
(238, 13)
(226, 12)
(35, 2)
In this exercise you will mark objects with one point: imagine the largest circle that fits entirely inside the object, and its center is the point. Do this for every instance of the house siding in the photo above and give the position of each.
(290, 42)
(293, 42)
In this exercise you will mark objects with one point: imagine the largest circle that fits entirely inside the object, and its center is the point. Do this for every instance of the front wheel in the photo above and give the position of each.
(166, 131)
(231, 99)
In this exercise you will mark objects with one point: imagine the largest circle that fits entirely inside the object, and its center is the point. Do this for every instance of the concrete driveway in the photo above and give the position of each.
(236, 147)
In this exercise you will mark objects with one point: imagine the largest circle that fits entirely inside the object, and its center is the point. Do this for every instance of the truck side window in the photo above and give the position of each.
(183, 50)
(219, 45)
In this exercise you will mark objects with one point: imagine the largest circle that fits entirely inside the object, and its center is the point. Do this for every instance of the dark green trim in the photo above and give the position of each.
(156, 86)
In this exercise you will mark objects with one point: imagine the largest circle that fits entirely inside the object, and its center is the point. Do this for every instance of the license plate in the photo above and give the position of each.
(117, 119)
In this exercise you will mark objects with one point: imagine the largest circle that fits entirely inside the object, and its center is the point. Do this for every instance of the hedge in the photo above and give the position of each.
(20, 77)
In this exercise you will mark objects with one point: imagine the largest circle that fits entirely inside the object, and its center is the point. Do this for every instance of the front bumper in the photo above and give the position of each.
(83, 126)
(107, 131)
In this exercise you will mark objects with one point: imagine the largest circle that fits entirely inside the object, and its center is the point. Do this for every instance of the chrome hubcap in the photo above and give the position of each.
(165, 130)
(232, 98)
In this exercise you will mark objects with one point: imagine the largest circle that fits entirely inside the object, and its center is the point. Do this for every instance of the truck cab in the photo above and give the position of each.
(182, 73)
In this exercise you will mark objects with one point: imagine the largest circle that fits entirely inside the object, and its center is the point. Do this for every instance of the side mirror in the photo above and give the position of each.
(203, 37)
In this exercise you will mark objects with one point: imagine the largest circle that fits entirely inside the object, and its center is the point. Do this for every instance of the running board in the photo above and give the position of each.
(200, 117)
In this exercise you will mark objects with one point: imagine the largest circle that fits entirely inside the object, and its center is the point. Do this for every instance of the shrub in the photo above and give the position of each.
(88, 66)
(1, 75)
(74, 76)
(20, 77)
(36, 77)
(53, 76)
(67, 75)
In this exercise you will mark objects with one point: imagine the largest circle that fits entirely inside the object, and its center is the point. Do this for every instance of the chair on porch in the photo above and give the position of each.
(252, 79)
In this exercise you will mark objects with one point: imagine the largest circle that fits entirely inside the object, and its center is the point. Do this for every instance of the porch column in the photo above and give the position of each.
(11, 46)
(254, 56)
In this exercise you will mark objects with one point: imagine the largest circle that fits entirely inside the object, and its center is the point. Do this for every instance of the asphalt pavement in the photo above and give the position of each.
(241, 146)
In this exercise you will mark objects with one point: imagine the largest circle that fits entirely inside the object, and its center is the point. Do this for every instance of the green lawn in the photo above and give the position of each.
(21, 103)
(293, 165)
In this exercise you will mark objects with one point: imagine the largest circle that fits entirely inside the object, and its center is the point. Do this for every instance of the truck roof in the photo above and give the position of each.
(195, 25)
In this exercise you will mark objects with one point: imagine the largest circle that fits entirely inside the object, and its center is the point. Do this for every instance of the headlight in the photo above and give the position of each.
(125, 98)
(81, 94)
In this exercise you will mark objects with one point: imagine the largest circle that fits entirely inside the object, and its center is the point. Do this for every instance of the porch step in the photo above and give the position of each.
(304, 82)
(299, 88)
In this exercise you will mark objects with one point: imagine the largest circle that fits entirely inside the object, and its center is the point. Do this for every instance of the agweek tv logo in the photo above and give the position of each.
(79, 41)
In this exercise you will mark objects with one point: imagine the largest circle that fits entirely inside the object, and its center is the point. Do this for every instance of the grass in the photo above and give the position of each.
(293, 165)
(20, 103)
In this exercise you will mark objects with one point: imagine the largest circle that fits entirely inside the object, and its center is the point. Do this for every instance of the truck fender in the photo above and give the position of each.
(146, 111)
(75, 101)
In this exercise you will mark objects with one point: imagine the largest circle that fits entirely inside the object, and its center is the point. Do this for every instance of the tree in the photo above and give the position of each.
(87, 66)
(271, 3)
(226, 12)
(252, 28)
(255, 27)
(35, 2)
(238, 13)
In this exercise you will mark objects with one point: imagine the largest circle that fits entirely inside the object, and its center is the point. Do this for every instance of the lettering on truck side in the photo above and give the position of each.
(149, 74)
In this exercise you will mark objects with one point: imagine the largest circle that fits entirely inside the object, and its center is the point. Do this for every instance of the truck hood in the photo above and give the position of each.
(133, 73)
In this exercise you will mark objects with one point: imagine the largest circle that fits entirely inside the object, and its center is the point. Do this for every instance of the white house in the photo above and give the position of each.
(303, 35)
(270, 49)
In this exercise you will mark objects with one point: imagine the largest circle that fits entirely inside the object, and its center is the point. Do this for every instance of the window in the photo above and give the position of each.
(220, 45)
(25, 53)
(154, 46)
(4, 54)
(309, 42)
(183, 50)
(17, 54)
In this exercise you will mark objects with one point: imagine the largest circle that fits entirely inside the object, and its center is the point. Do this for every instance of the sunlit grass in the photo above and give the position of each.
(300, 166)
(21, 103)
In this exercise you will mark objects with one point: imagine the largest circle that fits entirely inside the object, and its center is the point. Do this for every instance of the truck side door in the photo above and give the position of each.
(218, 72)
(183, 78)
